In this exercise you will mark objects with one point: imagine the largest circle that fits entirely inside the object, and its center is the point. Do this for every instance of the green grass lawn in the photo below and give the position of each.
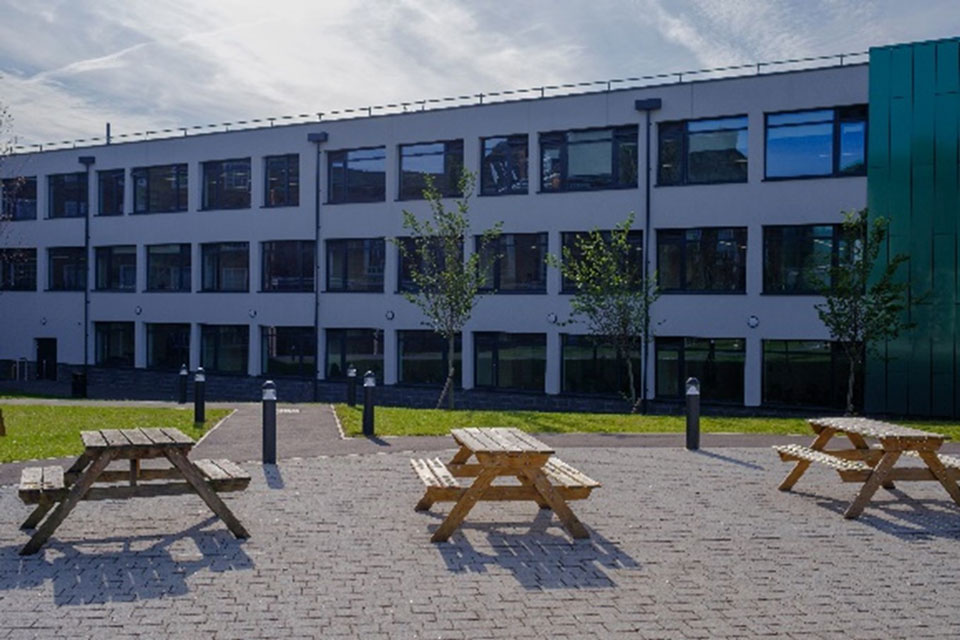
(50, 431)
(395, 421)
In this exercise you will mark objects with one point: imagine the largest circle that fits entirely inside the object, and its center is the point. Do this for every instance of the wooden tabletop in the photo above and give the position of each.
(874, 428)
(135, 438)
(499, 440)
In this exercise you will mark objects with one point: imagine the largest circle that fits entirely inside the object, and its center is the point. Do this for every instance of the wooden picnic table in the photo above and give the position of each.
(502, 452)
(874, 465)
(58, 492)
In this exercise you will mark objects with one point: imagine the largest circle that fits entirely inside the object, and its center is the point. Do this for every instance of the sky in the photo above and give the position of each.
(68, 67)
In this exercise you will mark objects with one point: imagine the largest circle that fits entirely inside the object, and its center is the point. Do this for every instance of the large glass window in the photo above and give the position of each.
(224, 348)
(798, 259)
(357, 175)
(110, 190)
(68, 195)
(19, 198)
(409, 258)
(443, 161)
(510, 360)
(355, 265)
(709, 259)
(168, 267)
(117, 268)
(820, 142)
(810, 373)
(288, 265)
(515, 262)
(226, 184)
(288, 351)
(590, 159)
(592, 365)
(283, 180)
(18, 269)
(503, 167)
(571, 239)
(703, 151)
(160, 189)
(226, 266)
(67, 268)
(168, 346)
(423, 357)
(716, 362)
(114, 344)
(362, 348)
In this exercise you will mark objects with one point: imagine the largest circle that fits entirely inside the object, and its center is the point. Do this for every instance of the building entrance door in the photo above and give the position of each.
(46, 358)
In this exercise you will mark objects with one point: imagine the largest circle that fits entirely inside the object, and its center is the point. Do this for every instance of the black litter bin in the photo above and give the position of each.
(78, 386)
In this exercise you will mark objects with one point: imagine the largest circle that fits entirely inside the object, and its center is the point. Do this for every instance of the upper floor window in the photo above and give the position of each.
(515, 262)
(110, 190)
(798, 259)
(503, 167)
(703, 151)
(67, 268)
(117, 268)
(226, 266)
(589, 159)
(160, 189)
(710, 259)
(821, 142)
(226, 184)
(168, 267)
(571, 245)
(357, 175)
(355, 265)
(19, 198)
(443, 161)
(288, 265)
(283, 180)
(410, 260)
(68, 195)
(18, 269)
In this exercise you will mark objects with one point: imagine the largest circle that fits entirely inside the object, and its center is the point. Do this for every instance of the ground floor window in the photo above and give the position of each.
(423, 357)
(807, 372)
(716, 362)
(288, 351)
(591, 365)
(361, 348)
(168, 346)
(224, 348)
(510, 360)
(114, 344)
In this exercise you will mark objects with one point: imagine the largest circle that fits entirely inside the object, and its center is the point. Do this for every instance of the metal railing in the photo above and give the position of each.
(509, 95)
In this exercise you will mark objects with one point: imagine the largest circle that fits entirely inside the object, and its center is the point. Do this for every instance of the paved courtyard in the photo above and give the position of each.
(685, 545)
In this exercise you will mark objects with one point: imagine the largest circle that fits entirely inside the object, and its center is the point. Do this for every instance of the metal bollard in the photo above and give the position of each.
(351, 386)
(369, 382)
(269, 422)
(199, 396)
(184, 374)
(693, 414)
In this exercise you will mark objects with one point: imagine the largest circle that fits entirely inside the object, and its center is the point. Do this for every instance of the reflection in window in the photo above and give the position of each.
(160, 189)
(110, 189)
(288, 351)
(704, 259)
(409, 258)
(226, 266)
(168, 267)
(361, 348)
(355, 265)
(810, 373)
(423, 357)
(716, 362)
(68, 195)
(590, 159)
(288, 265)
(18, 269)
(570, 241)
(226, 184)
(514, 262)
(592, 365)
(510, 360)
(503, 168)
(19, 198)
(798, 259)
(117, 268)
(67, 268)
(224, 348)
(357, 175)
(283, 180)
(443, 161)
(822, 142)
(168, 346)
(703, 151)
(114, 344)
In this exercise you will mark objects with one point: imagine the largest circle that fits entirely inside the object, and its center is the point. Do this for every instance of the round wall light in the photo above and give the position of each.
(252, 313)
(138, 309)
(552, 318)
(389, 315)
(753, 322)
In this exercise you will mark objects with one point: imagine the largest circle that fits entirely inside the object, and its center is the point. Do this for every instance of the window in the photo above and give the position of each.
(288, 351)
(160, 189)
(362, 348)
(283, 181)
(288, 265)
(117, 268)
(798, 259)
(67, 268)
(570, 241)
(821, 142)
(710, 259)
(503, 167)
(68, 195)
(442, 161)
(19, 198)
(587, 160)
(226, 184)
(224, 348)
(510, 360)
(114, 342)
(168, 267)
(168, 346)
(703, 151)
(409, 258)
(110, 190)
(592, 365)
(357, 175)
(355, 265)
(716, 362)
(809, 373)
(226, 266)
(515, 262)
(18, 269)
(423, 357)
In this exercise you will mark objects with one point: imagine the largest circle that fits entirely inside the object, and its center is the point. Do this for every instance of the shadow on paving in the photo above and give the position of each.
(82, 577)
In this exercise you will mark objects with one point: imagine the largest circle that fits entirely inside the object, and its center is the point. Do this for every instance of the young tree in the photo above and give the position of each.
(611, 295)
(863, 305)
(6, 148)
(446, 287)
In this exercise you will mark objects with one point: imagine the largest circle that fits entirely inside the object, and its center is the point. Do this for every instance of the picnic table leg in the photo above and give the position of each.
(557, 503)
(933, 461)
(76, 493)
(876, 478)
(192, 475)
(858, 442)
(464, 505)
(42, 509)
(525, 481)
(802, 465)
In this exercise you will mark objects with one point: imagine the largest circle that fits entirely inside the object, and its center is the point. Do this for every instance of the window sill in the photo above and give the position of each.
(512, 292)
(2, 290)
(280, 206)
(422, 199)
(271, 291)
(66, 217)
(792, 294)
(63, 290)
(147, 213)
(700, 292)
(108, 215)
(33, 219)
(167, 291)
(223, 291)
(205, 209)
(700, 184)
(610, 188)
(352, 291)
(114, 291)
(508, 193)
(826, 176)
(332, 203)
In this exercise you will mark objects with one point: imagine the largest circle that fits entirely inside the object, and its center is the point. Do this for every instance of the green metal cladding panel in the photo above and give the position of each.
(913, 177)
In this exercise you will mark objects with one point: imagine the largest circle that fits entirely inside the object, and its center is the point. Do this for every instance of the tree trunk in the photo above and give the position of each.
(851, 377)
(633, 388)
(451, 372)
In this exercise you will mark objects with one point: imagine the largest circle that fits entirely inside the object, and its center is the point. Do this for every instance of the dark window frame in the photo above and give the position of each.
(290, 189)
(348, 193)
(495, 265)
(218, 248)
(306, 363)
(57, 204)
(185, 251)
(81, 266)
(835, 255)
(183, 350)
(634, 239)
(837, 121)
(618, 365)
(839, 370)
(345, 242)
(619, 135)
(453, 148)
(103, 178)
(685, 276)
(341, 357)
(306, 255)
(410, 243)
(478, 341)
(180, 174)
(683, 369)
(18, 269)
(108, 253)
(105, 331)
(215, 330)
(217, 200)
(16, 207)
(681, 132)
(513, 141)
(444, 363)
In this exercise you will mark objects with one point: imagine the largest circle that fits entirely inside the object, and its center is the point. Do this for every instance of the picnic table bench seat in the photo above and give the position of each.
(799, 452)
(950, 462)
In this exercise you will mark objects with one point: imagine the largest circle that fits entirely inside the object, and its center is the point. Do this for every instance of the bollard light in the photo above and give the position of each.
(369, 379)
(184, 374)
(369, 382)
(693, 413)
(351, 385)
(269, 422)
(199, 396)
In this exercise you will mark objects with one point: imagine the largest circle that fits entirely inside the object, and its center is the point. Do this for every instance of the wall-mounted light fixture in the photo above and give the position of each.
(753, 322)
(138, 309)
(552, 318)
(389, 315)
(252, 313)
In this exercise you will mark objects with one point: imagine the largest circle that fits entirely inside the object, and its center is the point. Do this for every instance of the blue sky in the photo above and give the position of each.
(69, 66)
